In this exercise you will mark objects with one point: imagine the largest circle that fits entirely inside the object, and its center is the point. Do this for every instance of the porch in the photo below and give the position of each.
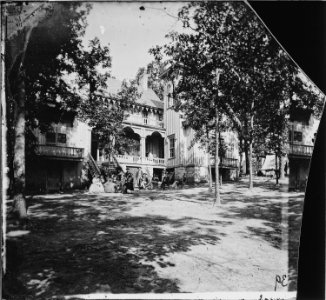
(59, 152)
(226, 162)
(300, 150)
(135, 160)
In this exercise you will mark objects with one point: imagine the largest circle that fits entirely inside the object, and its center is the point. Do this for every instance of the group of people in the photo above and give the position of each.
(123, 182)
(169, 180)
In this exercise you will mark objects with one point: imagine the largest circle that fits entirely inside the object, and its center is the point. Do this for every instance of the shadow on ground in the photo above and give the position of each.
(77, 246)
(80, 244)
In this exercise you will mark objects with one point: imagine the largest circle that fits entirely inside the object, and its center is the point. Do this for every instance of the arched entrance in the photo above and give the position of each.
(155, 145)
(132, 144)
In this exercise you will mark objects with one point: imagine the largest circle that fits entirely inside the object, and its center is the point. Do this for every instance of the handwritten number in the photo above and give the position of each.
(280, 280)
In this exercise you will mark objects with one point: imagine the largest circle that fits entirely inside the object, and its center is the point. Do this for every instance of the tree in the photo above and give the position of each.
(195, 92)
(33, 67)
(105, 114)
(155, 82)
(230, 37)
(299, 94)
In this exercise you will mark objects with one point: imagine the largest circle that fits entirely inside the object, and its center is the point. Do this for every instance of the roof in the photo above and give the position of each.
(148, 97)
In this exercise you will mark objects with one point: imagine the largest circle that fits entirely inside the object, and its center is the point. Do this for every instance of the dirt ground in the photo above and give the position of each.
(156, 242)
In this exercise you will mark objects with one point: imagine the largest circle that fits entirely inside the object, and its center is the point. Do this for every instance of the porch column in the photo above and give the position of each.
(143, 146)
(98, 154)
(103, 158)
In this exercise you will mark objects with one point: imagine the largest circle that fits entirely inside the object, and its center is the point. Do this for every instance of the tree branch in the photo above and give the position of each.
(230, 112)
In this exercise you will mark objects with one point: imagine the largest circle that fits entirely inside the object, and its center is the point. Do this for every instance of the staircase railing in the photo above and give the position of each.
(117, 162)
(93, 167)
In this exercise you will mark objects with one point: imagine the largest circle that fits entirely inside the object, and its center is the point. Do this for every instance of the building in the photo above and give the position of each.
(57, 161)
(302, 132)
(186, 157)
(144, 124)
(165, 142)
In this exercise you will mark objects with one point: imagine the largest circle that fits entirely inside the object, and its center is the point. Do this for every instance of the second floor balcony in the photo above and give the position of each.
(226, 162)
(59, 152)
(137, 160)
(301, 150)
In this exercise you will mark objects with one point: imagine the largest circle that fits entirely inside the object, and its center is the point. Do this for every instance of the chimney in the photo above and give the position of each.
(144, 81)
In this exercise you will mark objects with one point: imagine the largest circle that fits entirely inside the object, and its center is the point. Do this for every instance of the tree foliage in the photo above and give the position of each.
(258, 77)
(33, 75)
(58, 74)
(155, 82)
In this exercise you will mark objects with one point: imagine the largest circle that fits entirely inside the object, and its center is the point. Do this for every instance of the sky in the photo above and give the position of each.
(131, 32)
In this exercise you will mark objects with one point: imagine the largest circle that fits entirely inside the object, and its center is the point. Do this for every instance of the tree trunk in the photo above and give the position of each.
(210, 188)
(15, 69)
(250, 166)
(276, 168)
(19, 204)
(250, 151)
(247, 158)
(210, 184)
(281, 166)
(217, 175)
(240, 166)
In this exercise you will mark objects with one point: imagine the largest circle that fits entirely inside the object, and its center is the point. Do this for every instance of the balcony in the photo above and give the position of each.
(229, 162)
(58, 152)
(144, 121)
(226, 162)
(138, 160)
(300, 150)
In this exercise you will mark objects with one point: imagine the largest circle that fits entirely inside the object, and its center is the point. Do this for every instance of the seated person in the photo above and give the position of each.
(165, 181)
(155, 178)
(109, 186)
(147, 182)
(141, 183)
(128, 182)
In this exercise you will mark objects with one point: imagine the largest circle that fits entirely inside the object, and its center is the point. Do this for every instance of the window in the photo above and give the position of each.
(172, 146)
(61, 138)
(53, 138)
(145, 116)
(297, 136)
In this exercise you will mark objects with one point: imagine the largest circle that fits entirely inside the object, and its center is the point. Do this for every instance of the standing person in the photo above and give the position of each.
(147, 181)
(184, 178)
(119, 180)
(129, 182)
(286, 169)
(150, 156)
(164, 180)
(141, 183)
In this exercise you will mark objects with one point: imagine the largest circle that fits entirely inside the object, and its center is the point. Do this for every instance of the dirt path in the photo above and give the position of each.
(159, 241)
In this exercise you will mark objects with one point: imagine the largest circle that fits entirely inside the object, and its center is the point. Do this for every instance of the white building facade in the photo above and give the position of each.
(165, 143)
